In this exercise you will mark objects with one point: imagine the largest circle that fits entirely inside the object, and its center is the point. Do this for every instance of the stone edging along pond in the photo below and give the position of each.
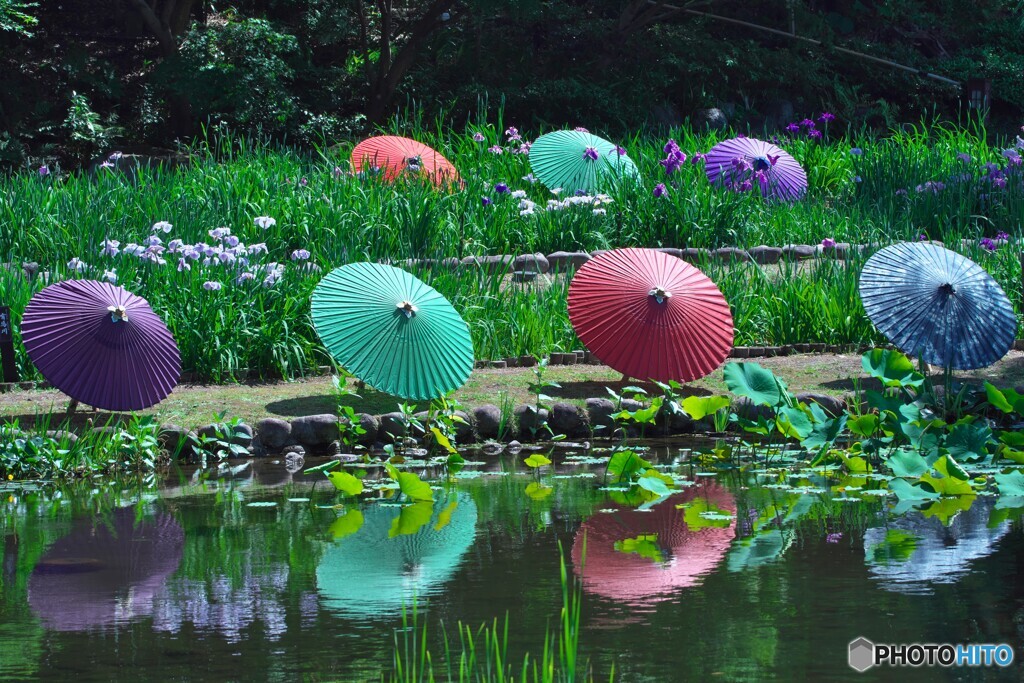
(322, 434)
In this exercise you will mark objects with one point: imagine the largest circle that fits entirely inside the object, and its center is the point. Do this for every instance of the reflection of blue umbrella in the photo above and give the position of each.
(914, 552)
(371, 574)
(937, 305)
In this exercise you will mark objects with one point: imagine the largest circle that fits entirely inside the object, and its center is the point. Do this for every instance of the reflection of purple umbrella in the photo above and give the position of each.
(101, 345)
(744, 163)
(103, 574)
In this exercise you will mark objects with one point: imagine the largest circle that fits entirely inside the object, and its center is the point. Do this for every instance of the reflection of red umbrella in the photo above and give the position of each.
(741, 164)
(640, 558)
(650, 315)
(100, 575)
(393, 156)
(101, 345)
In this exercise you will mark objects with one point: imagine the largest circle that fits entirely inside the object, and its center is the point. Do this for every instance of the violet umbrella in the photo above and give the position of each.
(642, 557)
(741, 164)
(105, 572)
(101, 345)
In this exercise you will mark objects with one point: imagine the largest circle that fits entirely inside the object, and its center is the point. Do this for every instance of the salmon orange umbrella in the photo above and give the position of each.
(392, 157)
(650, 315)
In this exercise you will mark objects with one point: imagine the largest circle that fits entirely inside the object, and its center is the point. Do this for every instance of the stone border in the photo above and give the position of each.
(320, 434)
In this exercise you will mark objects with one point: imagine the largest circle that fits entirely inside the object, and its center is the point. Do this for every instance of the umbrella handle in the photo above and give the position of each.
(660, 294)
(407, 307)
(118, 314)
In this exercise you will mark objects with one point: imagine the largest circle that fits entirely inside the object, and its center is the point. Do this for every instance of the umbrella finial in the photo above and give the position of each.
(660, 294)
(948, 289)
(407, 307)
(118, 314)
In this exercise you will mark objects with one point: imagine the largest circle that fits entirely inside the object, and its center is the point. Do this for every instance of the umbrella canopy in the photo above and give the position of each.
(105, 573)
(937, 305)
(650, 315)
(573, 160)
(101, 345)
(392, 331)
(393, 156)
(642, 557)
(744, 163)
(372, 573)
(912, 553)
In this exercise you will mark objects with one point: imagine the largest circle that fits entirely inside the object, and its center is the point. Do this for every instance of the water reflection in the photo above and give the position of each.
(641, 557)
(106, 571)
(915, 551)
(384, 557)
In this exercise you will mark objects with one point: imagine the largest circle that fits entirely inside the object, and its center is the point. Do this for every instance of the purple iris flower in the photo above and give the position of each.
(300, 255)
(1003, 236)
(793, 128)
(856, 151)
(964, 157)
(110, 247)
(826, 117)
(807, 123)
(660, 190)
(814, 134)
(987, 244)
(43, 171)
(501, 188)
(478, 137)
(590, 153)
(211, 286)
(834, 537)
(581, 129)
(828, 243)
(486, 201)
(513, 134)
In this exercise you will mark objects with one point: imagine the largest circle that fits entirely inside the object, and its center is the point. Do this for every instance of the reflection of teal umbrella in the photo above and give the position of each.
(574, 160)
(392, 331)
(371, 573)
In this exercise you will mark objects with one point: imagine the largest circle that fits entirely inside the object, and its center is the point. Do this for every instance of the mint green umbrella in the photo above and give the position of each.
(574, 160)
(392, 331)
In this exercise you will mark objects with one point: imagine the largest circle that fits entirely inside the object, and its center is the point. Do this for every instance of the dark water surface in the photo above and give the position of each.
(739, 576)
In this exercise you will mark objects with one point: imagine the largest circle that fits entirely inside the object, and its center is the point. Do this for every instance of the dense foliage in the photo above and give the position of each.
(229, 247)
(80, 76)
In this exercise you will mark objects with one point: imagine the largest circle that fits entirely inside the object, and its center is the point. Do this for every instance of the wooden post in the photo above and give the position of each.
(7, 345)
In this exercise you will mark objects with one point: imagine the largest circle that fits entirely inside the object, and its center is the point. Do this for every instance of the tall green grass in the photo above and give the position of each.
(318, 206)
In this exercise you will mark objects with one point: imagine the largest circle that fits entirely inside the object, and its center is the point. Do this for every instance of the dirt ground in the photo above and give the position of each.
(192, 405)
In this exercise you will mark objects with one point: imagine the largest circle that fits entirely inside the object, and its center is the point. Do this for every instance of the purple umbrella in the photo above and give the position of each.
(744, 163)
(101, 345)
(105, 573)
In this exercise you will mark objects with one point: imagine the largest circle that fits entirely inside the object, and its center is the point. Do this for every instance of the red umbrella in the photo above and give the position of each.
(101, 345)
(642, 557)
(650, 315)
(393, 156)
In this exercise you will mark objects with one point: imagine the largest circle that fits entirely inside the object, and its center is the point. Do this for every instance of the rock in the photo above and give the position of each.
(392, 426)
(531, 422)
(671, 251)
(26, 269)
(674, 423)
(71, 438)
(798, 252)
(256, 448)
(709, 119)
(731, 254)
(294, 462)
(830, 404)
(599, 414)
(464, 432)
(524, 276)
(371, 424)
(315, 431)
(129, 164)
(490, 264)
(765, 255)
(274, 433)
(535, 263)
(293, 451)
(566, 419)
(488, 421)
(566, 261)
(746, 409)
(514, 446)
(695, 255)
(177, 440)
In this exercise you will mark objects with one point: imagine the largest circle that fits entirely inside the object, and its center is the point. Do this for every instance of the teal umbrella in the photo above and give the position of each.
(392, 331)
(574, 160)
(394, 555)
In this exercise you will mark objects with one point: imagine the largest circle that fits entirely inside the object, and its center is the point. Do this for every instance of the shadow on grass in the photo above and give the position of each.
(372, 401)
(585, 389)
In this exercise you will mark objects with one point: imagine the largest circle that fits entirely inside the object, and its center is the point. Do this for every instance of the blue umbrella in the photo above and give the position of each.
(377, 569)
(937, 305)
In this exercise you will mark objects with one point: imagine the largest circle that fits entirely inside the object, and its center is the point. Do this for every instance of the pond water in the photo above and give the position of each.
(252, 573)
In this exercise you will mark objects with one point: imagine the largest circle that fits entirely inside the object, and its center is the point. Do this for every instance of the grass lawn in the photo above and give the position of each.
(193, 405)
